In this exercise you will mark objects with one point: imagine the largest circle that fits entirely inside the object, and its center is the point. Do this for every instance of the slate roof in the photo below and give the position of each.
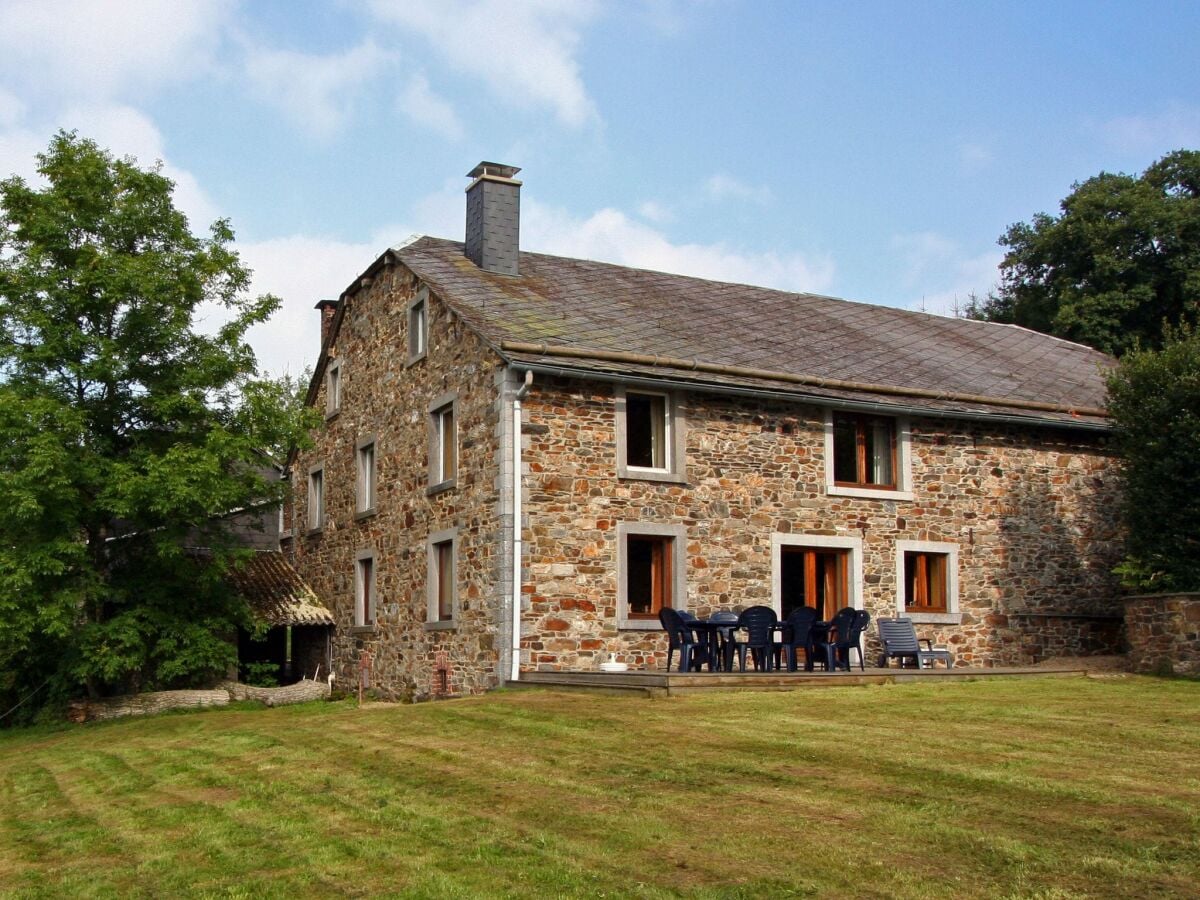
(277, 593)
(594, 306)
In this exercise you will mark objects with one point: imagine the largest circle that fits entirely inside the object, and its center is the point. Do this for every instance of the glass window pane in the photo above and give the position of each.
(845, 449)
(646, 431)
(445, 577)
(366, 573)
(879, 451)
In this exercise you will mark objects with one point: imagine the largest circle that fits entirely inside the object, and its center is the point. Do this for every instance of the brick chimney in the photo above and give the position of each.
(494, 218)
(327, 308)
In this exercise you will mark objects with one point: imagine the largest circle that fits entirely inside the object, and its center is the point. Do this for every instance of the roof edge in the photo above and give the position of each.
(810, 380)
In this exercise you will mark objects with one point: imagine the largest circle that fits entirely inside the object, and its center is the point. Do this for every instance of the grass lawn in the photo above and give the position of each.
(1034, 788)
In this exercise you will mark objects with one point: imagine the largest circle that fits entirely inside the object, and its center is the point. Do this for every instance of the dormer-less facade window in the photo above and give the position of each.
(316, 498)
(864, 451)
(649, 435)
(333, 387)
(867, 456)
(364, 589)
(443, 443)
(367, 477)
(418, 327)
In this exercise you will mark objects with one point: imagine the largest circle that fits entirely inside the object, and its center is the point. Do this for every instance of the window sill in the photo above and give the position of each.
(365, 514)
(314, 532)
(651, 475)
(331, 414)
(440, 487)
(639, 625)
(413, 360)
(933, 618)
(837, 490)
(447, 625)
(362, 629)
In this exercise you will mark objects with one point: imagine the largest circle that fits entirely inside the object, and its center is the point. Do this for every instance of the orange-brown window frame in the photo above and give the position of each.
(837, 578)
(661, 549)
(861, 464)
(926, 581)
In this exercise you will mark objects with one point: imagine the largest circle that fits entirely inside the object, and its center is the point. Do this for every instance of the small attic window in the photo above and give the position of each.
(418, 327)
(333, 388)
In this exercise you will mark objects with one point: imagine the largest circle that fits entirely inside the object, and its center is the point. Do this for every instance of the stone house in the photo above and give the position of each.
(525, 456)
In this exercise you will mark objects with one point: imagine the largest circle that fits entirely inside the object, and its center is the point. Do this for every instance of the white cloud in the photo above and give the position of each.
(314, 92)
(940, 274)
(99, 48)
(654, 211)
(611, 236)
(11, 109)
(726, 187)
(1175, 127)
(424, 107)
(524, 51)
(300, 270)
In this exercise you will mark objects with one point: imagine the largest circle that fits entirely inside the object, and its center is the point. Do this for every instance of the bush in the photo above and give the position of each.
(1154, 401)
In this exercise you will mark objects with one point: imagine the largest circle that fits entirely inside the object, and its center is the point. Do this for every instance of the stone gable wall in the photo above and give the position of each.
(384, 397)
(1032, 512)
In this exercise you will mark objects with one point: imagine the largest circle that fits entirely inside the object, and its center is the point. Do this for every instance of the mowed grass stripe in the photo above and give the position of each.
(1047, 788)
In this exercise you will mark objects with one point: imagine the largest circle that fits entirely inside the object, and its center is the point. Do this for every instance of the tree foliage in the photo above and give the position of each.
(125, 432)
(1121, 259)
(1154, 401)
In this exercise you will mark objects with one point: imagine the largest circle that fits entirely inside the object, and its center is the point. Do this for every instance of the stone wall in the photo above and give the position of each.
(1031, 512)
(385, 396)
(1164, 633)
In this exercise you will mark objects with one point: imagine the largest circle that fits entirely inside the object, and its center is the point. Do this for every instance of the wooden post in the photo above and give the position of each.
(364, 674)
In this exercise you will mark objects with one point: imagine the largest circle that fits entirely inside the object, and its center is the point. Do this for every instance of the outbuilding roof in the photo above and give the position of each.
(276, 592)
(590, 317)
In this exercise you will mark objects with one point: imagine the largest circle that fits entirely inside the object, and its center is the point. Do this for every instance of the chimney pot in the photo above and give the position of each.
(327, 308)
(494, 218)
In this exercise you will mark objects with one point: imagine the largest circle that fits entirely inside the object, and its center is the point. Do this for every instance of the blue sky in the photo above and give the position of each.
(873, 151)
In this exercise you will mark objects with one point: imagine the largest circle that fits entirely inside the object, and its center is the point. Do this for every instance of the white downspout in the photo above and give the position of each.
(517, 543)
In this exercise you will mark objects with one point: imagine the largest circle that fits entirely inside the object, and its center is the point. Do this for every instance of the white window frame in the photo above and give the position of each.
(821, 541)
(315, 499)
(952, 615)
(416, 317)
(365, 602)
(679, 597)
(903, 489)
(432, 580)
(333, 388)
(366, 469)
(674, 431)
(438, 481)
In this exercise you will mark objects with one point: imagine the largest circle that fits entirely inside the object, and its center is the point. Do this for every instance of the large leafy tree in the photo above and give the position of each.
(125, 431)
(1154, 401)
(1122, 258)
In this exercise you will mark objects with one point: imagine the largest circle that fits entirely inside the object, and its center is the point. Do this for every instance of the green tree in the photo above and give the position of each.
(1154, 401)
(125, 432)
(1121, 259)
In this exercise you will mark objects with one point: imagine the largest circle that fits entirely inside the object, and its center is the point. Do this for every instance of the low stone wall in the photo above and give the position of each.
(163, 701)
(1164, 633)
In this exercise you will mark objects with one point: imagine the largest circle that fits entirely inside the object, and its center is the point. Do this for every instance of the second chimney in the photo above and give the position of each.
(494, 218)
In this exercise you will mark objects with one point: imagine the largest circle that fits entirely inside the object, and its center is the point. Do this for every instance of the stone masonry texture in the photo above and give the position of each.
(1030, 509)
(1164, 633)
(1032, 513)
(383, 396)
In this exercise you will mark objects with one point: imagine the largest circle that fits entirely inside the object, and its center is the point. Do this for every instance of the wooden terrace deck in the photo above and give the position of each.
(663, 683)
